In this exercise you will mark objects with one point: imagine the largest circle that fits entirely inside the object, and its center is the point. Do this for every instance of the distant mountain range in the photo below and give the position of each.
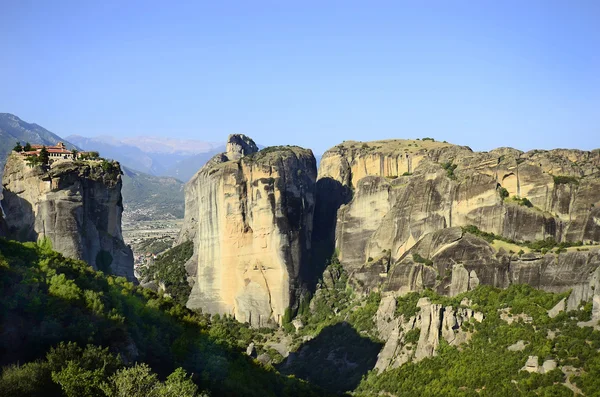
(145, 196)
(176, 158)
(154, 168)
(149, 197)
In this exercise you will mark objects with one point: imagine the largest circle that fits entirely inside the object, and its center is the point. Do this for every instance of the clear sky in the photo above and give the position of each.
(482, 73)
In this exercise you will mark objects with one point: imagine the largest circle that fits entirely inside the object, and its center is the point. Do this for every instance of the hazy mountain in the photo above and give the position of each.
(149, 197)
(128, 155)
(155, 156)
(153, 144)
(13, 129)
(144, 195)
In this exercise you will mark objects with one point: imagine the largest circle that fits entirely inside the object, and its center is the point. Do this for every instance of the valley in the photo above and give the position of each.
(392, 267)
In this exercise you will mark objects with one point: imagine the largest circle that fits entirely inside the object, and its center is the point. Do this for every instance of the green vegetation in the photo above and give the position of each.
(503, 193)
(149, 197)
(565, 180)
(407, 173)
(46, 299)
(27, 147)
(522, 201)
(111, 168)
(89, 156)
(484, 366)
(428, 139)
(450, 167)
(407, 305)
(154, 245)
(419, 259)
(540, 245)
(169, 269)
(18, 147)
(72, 371)
(43, 158)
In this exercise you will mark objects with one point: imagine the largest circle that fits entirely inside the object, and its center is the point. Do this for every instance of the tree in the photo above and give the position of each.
(33, 160)
(18, 147)
(74, 152)
(178, 384)
(27, 147)
(137, 381)
(44, 156)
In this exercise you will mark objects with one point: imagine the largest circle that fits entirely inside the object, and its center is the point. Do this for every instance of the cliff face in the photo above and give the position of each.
(76, 205)
(3, 226)
(250, 215)
(404, 190)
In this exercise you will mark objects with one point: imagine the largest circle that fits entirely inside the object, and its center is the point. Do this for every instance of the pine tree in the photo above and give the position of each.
(44, 156)
(18, 147)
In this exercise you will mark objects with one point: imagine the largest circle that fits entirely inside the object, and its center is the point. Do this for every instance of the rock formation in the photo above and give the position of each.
(250, 215)
(77, 206)
(3, 226)
(433, 322)
(405, 191)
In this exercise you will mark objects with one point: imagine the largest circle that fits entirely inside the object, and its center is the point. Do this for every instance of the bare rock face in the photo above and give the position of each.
(250, 216)
(404, 191)
(76, 205)
(458, 262)
(239, 145)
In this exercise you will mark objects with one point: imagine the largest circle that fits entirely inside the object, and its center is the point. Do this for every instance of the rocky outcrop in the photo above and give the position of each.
(76, 206)
(250, 216)
(433, 323)
(451, 261)
(406, 190)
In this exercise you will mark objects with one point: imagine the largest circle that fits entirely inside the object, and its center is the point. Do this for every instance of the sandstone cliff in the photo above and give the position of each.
(76, 205)
(403, 190)
(250, 216)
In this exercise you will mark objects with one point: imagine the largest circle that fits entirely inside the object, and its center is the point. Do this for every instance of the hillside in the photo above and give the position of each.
(13, 130)
(69, 302)
(149, 197)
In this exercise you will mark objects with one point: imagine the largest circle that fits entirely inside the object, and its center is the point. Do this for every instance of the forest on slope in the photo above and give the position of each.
(128, 339)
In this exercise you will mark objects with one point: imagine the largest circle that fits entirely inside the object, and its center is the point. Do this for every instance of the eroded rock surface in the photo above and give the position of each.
(76, 205)
(433, 322)
(405, 191)
(250, 216)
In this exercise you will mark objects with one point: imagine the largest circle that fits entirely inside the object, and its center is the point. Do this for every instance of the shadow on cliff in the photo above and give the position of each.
(18, 211)
(335, 360)
(331, 195)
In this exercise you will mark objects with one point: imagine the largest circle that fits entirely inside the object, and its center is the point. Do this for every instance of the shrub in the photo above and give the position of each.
(449, 167)
(64, 288)
(31, 379)
(565, 180)
(503, 193)
(412, 336)
(419, 259)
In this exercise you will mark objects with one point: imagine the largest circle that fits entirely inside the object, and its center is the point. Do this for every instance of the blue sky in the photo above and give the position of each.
(313, 73)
